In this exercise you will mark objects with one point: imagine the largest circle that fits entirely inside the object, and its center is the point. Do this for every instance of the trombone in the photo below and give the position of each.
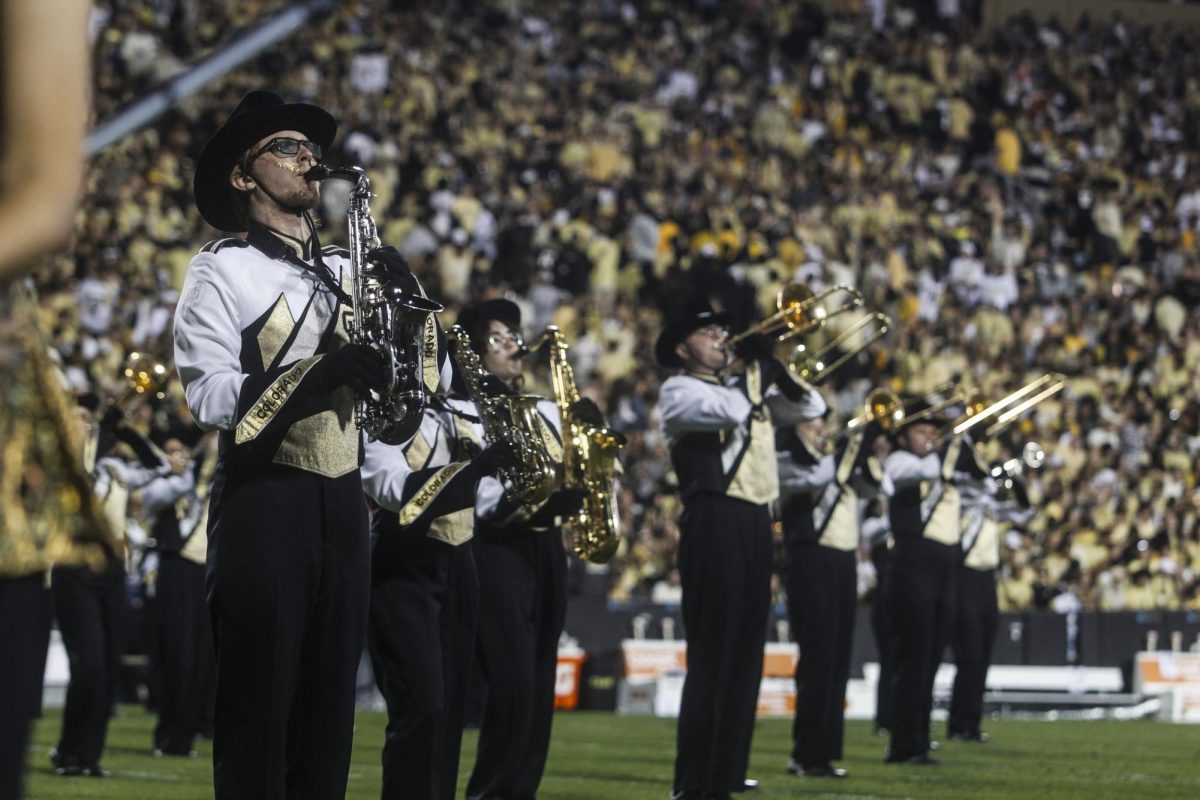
(1007, 408)
(813, 368)
(883, 406)
(799, 312)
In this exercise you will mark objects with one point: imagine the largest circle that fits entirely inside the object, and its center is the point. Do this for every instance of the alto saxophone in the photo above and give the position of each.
(589, 460)
(386, 318)
(528, 472)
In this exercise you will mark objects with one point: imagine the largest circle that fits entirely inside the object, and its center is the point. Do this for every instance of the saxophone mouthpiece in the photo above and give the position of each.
(318, 172)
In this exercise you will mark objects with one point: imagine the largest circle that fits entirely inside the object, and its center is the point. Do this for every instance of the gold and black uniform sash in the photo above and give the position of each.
(193, 521)
(836, 515)
(447, 503)
(940, 501)
(749, 458)
(981, 540)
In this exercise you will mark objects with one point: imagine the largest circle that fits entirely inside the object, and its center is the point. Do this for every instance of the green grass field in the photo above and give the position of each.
(599, 756)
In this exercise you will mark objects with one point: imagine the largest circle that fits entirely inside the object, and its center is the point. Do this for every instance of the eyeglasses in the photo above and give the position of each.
(714, 331)
(497, 339)
(287, 146)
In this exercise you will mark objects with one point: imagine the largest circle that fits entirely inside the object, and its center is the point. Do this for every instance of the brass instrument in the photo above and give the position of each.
(813, 368)
(1055, 385)
(1002, 412)
(529, 473)
(391, 321)
(1032, 457)
(145, 375)
(882, 406)
(589, 459)
(799, 312)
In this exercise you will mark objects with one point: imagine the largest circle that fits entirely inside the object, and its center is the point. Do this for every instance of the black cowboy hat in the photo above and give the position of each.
(697, 314)
(474, 319)
(257, 116)
(912, 407)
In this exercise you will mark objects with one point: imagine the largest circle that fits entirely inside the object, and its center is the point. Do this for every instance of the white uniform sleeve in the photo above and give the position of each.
(384, 471)
(789, 412)
(905, 469)
(163, 492)
(797, 478)
(208, 341)
(688, 404)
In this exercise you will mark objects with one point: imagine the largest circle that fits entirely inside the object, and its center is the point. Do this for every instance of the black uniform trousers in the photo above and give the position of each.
(822, 590)
(421, 637)
(288, 586)
(184, 653)
(977, 615)
(920, 591)
(90, 609)
(725, 554)
(25, 613)
(522, 610)
(881, 627)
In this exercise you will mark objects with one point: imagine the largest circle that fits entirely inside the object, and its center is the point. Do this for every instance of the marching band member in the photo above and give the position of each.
(424, 595)
(976, 611)
(921, 571)
(522, 583)
(178, 505)
(820, 498)
(264, 357)
(721, 432)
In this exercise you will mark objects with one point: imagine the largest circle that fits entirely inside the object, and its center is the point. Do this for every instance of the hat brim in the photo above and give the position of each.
(678, 330)
(211, 187)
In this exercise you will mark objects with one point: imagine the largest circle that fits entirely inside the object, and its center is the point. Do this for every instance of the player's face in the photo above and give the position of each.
(278, 162)
(919, 438)
(503, 351)
(705, 348)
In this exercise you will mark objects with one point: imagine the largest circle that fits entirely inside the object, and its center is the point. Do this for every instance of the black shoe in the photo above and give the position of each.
(748, 785)
(978, 736)
(921, 759)
(815, 770)
(96, 771)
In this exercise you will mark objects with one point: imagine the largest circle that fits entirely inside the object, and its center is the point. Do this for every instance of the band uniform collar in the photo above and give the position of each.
(277, 245)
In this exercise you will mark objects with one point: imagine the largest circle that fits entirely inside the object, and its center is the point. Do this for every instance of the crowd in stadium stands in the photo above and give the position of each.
(1019, 202)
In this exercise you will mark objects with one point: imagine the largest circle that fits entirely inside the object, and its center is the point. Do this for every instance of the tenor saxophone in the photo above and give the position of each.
(528, 471)
(589, 461)
(386, 318)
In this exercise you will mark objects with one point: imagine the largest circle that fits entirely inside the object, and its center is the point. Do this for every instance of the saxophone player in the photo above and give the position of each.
(425, 594)
(522, 581)
(721, 432)
(264, 358)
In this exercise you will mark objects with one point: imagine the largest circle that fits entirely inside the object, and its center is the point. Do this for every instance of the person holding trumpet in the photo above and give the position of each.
(821, 481)
(721, 430)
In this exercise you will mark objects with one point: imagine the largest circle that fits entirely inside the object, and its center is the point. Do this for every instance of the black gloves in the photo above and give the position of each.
(756, 347)
(489, 460)
(587, 412)
(398, 275)
(563, 503)
(355, 365)
(392, 265)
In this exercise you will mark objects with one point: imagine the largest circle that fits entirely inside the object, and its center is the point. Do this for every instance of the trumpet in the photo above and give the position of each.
(813, 368)
(145, 376)
(1032, 457)
(799, 312)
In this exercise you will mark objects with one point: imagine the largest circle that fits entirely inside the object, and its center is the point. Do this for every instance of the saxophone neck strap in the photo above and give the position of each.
(269, 242)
